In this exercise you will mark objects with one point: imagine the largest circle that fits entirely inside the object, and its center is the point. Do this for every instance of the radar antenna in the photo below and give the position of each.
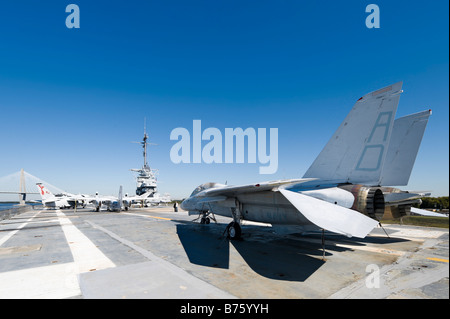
(144, 143)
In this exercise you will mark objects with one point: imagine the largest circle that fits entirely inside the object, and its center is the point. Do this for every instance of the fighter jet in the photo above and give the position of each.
(62, 200)
(117, 203)
(345, 190)
(154, 199)
(52, 201)
(112, 203)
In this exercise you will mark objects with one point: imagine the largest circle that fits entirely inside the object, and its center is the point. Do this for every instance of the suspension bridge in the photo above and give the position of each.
(20, 185)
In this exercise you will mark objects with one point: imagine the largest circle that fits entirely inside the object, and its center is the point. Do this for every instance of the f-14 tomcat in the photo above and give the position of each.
(345, 190)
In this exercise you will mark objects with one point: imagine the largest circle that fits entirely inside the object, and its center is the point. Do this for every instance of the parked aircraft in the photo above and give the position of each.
(112, 203)
(63, 200)
(345, 189)
(124, 202)
(67, 200)
(154, 199)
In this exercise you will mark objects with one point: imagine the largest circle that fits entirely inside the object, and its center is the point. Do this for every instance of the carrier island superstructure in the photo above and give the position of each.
(146, 178)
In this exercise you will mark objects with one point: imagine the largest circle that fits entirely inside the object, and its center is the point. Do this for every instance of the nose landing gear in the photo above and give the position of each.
(205, 220)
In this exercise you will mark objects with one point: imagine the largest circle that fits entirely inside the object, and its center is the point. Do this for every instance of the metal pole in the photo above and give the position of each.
(323, 244)
(22, 190)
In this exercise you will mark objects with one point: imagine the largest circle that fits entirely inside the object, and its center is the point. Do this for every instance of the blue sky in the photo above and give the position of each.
(72, 100)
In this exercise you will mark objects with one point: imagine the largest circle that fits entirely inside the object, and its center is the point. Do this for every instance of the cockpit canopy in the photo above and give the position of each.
(205, 186)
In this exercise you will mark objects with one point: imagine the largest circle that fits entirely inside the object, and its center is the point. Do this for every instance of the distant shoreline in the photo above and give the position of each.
(9, 205)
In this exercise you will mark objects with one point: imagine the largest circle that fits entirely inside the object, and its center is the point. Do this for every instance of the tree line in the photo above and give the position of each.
(434, 202)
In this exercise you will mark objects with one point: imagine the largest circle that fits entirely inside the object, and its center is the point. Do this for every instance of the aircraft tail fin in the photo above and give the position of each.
(406, 137)
(357, 150)
(45, 193)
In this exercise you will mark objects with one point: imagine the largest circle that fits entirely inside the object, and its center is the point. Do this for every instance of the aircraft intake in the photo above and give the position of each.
(368, 200)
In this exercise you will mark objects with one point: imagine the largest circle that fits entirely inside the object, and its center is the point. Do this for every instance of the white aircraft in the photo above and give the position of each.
(124, 202)
(157, 199)
(63, 200)
(112, 203)
(51, 201)
(342, 190)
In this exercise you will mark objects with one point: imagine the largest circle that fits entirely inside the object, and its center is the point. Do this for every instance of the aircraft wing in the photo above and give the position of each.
(104, 200)
(331, 217)
(424, 212)
(80, 197)
(251, 188)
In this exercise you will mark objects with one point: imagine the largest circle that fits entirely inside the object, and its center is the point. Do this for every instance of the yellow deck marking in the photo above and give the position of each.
(141, 215)
(159, 217)
(438, 259)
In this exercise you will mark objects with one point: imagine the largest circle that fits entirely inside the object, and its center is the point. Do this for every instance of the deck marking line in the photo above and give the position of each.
(12, 233)
(85, 254)
(175, 270)
(438, 259)
(163, 218)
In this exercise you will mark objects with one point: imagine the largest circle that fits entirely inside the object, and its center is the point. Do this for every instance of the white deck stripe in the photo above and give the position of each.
(178, 273)
(12, 233)
(54, 281)
(86, 255)
(47, 282)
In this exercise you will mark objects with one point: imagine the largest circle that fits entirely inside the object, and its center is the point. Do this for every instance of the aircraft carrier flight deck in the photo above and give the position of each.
(159, 253)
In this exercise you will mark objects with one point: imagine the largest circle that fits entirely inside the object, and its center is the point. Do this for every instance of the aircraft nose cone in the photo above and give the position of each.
(183, 205)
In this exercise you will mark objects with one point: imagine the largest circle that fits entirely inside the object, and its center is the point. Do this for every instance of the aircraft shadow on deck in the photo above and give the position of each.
(279, 262)
(292, 258)
(204, 244)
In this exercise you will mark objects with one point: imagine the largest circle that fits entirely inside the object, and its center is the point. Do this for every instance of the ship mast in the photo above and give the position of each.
(144, 143)
(146, 180)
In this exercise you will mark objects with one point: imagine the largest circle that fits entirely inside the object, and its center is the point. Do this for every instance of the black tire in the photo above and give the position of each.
(234, 231)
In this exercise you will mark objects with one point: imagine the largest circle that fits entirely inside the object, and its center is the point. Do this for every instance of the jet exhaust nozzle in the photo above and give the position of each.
(368, 200)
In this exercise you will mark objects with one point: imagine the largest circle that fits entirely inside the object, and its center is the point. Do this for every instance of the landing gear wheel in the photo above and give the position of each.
(205, 220)
(234, 231)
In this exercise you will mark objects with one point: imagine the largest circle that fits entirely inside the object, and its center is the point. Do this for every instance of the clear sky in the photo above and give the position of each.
(72, 100)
